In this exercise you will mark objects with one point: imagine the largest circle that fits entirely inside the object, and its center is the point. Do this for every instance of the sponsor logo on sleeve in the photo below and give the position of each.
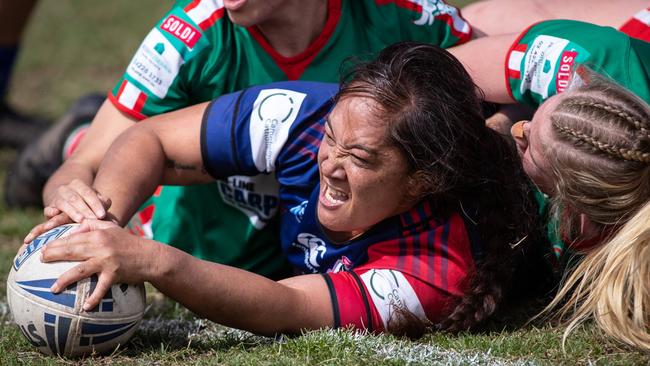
(389, 291)
(182, 30)
(274, 112)
(155, 64)
(540, 63)
(565, 71)
(314, 249)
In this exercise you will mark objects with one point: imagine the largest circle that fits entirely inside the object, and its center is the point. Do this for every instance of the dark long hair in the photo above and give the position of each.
(433, 112)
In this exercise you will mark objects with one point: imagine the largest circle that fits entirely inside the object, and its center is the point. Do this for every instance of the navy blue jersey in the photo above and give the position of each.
(417, 260)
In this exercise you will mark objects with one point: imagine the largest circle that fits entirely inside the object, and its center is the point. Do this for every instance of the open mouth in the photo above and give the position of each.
(332, 197)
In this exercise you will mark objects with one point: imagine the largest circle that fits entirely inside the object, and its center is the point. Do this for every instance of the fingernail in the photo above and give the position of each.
(54, 288)
(87, 307)
(40, 256)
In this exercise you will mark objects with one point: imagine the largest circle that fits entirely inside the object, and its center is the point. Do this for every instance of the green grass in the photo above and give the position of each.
(74, 47)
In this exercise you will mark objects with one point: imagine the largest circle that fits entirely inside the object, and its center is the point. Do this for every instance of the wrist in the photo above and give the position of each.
(158, 258)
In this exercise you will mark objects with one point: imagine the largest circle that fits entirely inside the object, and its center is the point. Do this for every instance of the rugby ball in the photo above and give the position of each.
(56, 323)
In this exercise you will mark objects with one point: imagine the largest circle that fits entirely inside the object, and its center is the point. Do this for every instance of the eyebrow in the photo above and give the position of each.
(368, 150)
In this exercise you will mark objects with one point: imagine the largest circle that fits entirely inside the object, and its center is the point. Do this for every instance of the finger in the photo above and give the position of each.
(71, 200)
(92, 225)
(90, 198)
(71, 248)
(57, 220)
(39, 229)
(34, 232)
(103, 285)
(50, 211)
(74, 274)
(69, 210)
(107, 202)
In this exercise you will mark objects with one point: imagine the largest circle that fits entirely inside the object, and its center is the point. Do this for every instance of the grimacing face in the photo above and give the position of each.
(363, 179)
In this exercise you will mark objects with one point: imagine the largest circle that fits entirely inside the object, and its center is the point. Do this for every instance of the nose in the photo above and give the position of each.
(332, 165)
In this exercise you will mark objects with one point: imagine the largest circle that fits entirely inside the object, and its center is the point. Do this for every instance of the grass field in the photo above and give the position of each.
(74, 47)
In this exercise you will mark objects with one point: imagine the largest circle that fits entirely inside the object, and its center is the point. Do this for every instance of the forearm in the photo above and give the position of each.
(107, 125)
(126, 176)
(235, 297)
(483, 59)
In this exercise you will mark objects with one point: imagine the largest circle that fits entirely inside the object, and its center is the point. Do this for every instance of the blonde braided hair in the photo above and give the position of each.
(579, 137)
(601, 165)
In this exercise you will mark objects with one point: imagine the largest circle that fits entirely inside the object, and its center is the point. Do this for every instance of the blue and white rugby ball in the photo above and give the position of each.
(56, 323)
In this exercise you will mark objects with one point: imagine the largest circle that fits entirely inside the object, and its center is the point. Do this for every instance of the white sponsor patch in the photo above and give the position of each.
(389, 291)
(156, 63)
(274, 112)
(541, 59)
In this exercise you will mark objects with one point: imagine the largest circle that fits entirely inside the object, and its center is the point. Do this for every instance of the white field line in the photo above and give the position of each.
(389, 349)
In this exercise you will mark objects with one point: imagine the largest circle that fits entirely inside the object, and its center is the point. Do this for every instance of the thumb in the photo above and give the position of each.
(105, 201)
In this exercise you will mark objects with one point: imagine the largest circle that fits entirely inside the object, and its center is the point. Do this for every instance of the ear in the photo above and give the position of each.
(419, 185)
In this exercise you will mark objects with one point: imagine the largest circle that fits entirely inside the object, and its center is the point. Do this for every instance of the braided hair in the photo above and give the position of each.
(601, 166)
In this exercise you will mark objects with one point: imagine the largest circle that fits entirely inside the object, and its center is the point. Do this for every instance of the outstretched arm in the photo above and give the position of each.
(226, 295)
(165, 149)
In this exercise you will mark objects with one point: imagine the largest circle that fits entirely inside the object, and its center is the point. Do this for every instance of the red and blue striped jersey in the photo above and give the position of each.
(417, 261)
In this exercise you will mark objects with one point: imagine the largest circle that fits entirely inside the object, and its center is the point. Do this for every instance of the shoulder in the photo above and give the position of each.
(196, 23)
(203, 13)
(432, 21)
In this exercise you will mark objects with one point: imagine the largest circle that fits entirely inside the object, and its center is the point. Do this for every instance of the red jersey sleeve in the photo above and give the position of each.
(370, 300)
(423, 272)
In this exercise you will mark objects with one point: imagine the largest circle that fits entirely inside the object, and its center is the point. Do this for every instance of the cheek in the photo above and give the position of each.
(535, 175)
(529, 167)
(322, 153)
(385, 188)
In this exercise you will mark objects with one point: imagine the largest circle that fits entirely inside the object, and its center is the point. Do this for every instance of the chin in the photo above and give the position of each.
(331, 221)
(241, 20)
